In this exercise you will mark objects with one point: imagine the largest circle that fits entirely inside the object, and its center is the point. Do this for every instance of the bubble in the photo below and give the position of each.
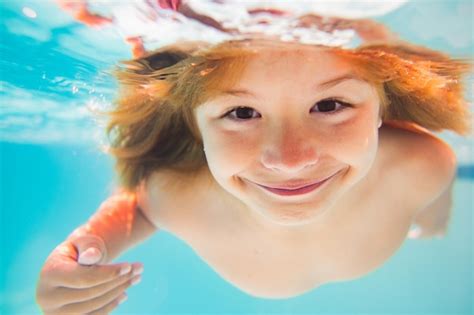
(29, 12)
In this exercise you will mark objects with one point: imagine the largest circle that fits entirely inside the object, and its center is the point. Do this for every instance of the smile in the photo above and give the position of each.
(297, 191)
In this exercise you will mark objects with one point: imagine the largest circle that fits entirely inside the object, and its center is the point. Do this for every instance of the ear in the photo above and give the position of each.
(157, 60)
(166, 56)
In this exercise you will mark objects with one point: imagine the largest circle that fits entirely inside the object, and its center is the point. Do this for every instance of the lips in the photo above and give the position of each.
(287, 191)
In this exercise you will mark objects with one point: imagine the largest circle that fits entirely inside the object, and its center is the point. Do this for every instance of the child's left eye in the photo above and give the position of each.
(329, 106)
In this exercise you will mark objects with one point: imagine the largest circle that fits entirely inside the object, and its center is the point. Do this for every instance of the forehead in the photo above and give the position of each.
(295, 62)
(276, 67)
(293, 69)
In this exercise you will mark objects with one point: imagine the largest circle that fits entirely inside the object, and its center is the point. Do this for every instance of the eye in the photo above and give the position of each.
(241, 113)
(330, 106)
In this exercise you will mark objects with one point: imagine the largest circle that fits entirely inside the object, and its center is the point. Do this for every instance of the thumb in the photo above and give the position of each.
(90, 249)
(90, 256)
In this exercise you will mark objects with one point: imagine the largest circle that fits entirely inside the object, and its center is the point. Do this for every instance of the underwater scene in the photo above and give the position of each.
(56, 77)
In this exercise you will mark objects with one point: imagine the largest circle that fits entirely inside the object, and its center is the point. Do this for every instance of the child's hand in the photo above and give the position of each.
(73, 281)
(433, 221)
(428, 225)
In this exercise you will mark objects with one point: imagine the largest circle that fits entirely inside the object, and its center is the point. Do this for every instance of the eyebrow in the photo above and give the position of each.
(339, 79)
(237, 92)
(327, 84)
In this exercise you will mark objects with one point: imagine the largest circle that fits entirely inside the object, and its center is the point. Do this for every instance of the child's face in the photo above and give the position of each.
(295, 128)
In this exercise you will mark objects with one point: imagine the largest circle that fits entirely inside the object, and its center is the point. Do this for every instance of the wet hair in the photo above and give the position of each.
(152, 125)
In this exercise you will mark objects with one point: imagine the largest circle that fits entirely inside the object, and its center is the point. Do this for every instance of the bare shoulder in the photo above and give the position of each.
(167, 194)
(420, 157)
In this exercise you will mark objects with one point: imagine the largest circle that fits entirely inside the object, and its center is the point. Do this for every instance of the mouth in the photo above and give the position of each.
(297, 191)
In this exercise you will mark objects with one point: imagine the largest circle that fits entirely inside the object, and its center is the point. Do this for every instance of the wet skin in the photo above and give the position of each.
(303, 118)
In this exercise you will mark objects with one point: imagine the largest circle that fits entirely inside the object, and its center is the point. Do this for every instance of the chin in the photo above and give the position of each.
(296, 214)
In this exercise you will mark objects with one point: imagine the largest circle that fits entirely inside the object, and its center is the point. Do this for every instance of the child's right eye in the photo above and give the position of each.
(241, 113)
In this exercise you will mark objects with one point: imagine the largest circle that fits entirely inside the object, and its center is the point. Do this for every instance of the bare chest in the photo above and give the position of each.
(264, 267)
(371, 228)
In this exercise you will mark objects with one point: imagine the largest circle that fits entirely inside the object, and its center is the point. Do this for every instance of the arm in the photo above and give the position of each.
(117, 225)
(76, 277)
(368, 30)
(433, 217)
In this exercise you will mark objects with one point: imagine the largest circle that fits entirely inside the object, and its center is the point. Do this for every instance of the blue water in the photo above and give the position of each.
(53, 176)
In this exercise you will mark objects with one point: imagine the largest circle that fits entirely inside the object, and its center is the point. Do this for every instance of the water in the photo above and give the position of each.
(53, 176)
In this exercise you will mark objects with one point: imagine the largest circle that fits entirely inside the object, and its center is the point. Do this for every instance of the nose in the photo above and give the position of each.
(290, 150)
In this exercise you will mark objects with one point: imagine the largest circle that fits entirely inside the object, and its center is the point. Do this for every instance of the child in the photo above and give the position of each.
(284, 166)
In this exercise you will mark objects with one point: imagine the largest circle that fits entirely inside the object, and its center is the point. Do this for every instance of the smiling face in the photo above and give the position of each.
(296, 132)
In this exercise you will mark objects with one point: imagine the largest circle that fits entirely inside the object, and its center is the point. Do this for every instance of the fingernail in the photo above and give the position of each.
(136, 280)
(122, 298)
(89, 257)
(137, 270)
(125, 269)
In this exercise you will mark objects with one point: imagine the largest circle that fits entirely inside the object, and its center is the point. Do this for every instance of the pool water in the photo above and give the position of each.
(54, 175)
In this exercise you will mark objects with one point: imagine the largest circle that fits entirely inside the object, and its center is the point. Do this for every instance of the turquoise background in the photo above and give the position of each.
(51, 184)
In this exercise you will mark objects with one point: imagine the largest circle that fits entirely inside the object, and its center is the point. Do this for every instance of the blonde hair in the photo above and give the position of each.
(152, 126)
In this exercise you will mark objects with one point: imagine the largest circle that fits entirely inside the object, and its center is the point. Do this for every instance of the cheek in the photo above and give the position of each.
(228, 152)
(355, 141)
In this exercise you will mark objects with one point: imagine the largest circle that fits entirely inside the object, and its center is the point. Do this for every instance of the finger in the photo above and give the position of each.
(91, 249)
(58, 297)
(98, 302)
(90, 256)
(111, 306)
(78, 295)
(70, 296)
(71, 250)
(76, 276)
